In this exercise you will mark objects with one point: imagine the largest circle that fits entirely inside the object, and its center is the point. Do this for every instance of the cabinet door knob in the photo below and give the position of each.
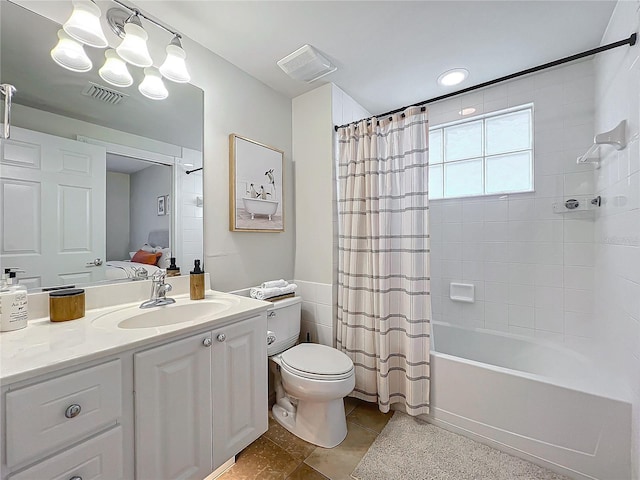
(207, 342)
(221, 337)
(76, 477)
(72, 411)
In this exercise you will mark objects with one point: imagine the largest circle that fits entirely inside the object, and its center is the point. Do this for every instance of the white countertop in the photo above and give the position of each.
(44, 346)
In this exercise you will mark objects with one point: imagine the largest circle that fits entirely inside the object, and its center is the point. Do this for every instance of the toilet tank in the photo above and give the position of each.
(283, 319)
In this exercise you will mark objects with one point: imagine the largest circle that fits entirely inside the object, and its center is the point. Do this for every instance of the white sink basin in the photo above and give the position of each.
(134, 317)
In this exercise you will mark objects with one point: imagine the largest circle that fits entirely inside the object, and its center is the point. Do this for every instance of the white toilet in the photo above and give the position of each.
(311, 380)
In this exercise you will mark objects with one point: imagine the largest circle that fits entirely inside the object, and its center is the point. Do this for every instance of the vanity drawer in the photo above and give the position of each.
(99, 458)
(49, 415)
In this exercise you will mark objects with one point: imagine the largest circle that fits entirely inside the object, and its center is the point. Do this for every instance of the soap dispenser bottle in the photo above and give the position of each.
(196, 282)
(13, 302)
(173, 270)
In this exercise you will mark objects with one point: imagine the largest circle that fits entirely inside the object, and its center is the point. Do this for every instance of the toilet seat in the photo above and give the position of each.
(318, 362)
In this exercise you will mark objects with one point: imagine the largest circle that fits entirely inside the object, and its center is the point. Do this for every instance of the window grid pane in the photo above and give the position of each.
(435, 146)
(463, 141)
(503, 160)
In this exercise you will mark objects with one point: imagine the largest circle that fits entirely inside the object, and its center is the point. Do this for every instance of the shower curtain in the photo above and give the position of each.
(384, 303)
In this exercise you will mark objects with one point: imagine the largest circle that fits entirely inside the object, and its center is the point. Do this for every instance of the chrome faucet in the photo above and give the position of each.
(159, 291)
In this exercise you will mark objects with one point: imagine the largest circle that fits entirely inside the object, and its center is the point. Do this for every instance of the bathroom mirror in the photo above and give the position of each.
(88, 165)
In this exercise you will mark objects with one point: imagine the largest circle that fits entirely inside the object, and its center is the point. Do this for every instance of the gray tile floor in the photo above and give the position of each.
(278, 454)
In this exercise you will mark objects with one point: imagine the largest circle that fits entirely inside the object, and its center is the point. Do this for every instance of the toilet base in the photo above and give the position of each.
(321, 423)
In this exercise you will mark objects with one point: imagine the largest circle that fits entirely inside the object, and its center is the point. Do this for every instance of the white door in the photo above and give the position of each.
(173, 410)
(52, 199)
(240, 400)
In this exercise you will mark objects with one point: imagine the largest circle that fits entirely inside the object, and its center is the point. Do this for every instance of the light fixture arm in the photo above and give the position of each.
(137, 13)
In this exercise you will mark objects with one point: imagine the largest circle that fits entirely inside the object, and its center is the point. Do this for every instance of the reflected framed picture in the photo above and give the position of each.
(256, 186)
(162, 210)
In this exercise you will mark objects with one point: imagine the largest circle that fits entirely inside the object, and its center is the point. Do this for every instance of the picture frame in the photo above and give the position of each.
(256, 186)
(162, 205)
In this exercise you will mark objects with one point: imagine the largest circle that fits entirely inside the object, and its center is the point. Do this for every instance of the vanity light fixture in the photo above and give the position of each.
(84, 24)
(70, 54)
(83, 27)
(453, 77)
(133, 48)
(174, 67)
(114, 70)
(152, 86)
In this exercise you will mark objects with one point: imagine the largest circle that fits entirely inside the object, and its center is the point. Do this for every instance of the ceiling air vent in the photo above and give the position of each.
(306, 64)
(104, 94)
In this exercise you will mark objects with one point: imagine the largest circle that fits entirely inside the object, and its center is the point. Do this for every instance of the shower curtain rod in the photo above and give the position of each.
(631, 41)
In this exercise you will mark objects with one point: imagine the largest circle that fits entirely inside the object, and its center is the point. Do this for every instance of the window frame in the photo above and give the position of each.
(528, 107)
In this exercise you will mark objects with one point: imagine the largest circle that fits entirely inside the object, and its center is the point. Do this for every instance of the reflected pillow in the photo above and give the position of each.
(148, 258)
(164, 260)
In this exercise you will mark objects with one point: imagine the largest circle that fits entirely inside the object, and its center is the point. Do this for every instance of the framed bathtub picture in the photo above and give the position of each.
(256, 186)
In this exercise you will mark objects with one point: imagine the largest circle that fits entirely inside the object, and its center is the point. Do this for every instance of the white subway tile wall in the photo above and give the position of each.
(189, 223)
(613, 312)
(532, 268)
(317, 323)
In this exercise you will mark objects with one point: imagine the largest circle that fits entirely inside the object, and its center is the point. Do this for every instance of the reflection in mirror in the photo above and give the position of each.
(93, 191)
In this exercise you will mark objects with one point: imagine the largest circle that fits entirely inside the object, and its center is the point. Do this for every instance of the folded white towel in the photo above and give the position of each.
(265, 293)
(275, 283)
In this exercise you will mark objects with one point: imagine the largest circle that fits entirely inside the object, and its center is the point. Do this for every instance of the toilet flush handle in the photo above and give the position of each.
(271, 337)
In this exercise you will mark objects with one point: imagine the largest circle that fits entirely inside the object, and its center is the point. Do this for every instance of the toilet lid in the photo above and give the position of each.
(317, 359)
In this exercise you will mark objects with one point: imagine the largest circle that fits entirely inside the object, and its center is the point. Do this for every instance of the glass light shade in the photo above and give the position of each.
(152, 86)
(453, 77)
(133, 48)
(174, 67)
(114, 70)
(84, 24)
(70, 54)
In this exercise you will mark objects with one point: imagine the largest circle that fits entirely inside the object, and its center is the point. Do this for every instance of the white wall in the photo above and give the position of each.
(617, 229)
(238, 103)
(312, 150)
(532, 269)
(145, 187)
(314, 115)
(117, 236)
(66, 127)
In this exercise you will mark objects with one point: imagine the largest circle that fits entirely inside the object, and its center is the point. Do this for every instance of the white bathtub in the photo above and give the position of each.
(534, 400)
(258, 206)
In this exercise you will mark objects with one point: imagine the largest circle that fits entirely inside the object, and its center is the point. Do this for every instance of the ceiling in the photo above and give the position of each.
(389, 53)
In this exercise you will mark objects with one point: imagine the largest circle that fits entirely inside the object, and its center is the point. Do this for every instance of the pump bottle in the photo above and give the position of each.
(13, 302)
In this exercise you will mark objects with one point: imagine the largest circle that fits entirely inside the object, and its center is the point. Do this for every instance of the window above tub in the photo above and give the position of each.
(484, 155)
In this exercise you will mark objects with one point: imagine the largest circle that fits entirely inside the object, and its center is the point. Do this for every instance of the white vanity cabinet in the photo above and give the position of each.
(200, 400)
(69, 426)
(171, 408)
(240, 402)
(173, 426)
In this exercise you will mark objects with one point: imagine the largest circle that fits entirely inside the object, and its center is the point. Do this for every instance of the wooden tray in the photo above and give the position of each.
(279, 297)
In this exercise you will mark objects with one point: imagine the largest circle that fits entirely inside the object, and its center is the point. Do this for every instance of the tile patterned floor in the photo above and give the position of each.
(280, 455)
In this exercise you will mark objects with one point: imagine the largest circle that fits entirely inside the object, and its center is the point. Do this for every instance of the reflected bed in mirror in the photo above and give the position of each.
(81, 180)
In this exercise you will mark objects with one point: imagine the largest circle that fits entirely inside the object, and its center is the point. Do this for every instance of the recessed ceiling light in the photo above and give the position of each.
(453, 77)
(467, 111)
